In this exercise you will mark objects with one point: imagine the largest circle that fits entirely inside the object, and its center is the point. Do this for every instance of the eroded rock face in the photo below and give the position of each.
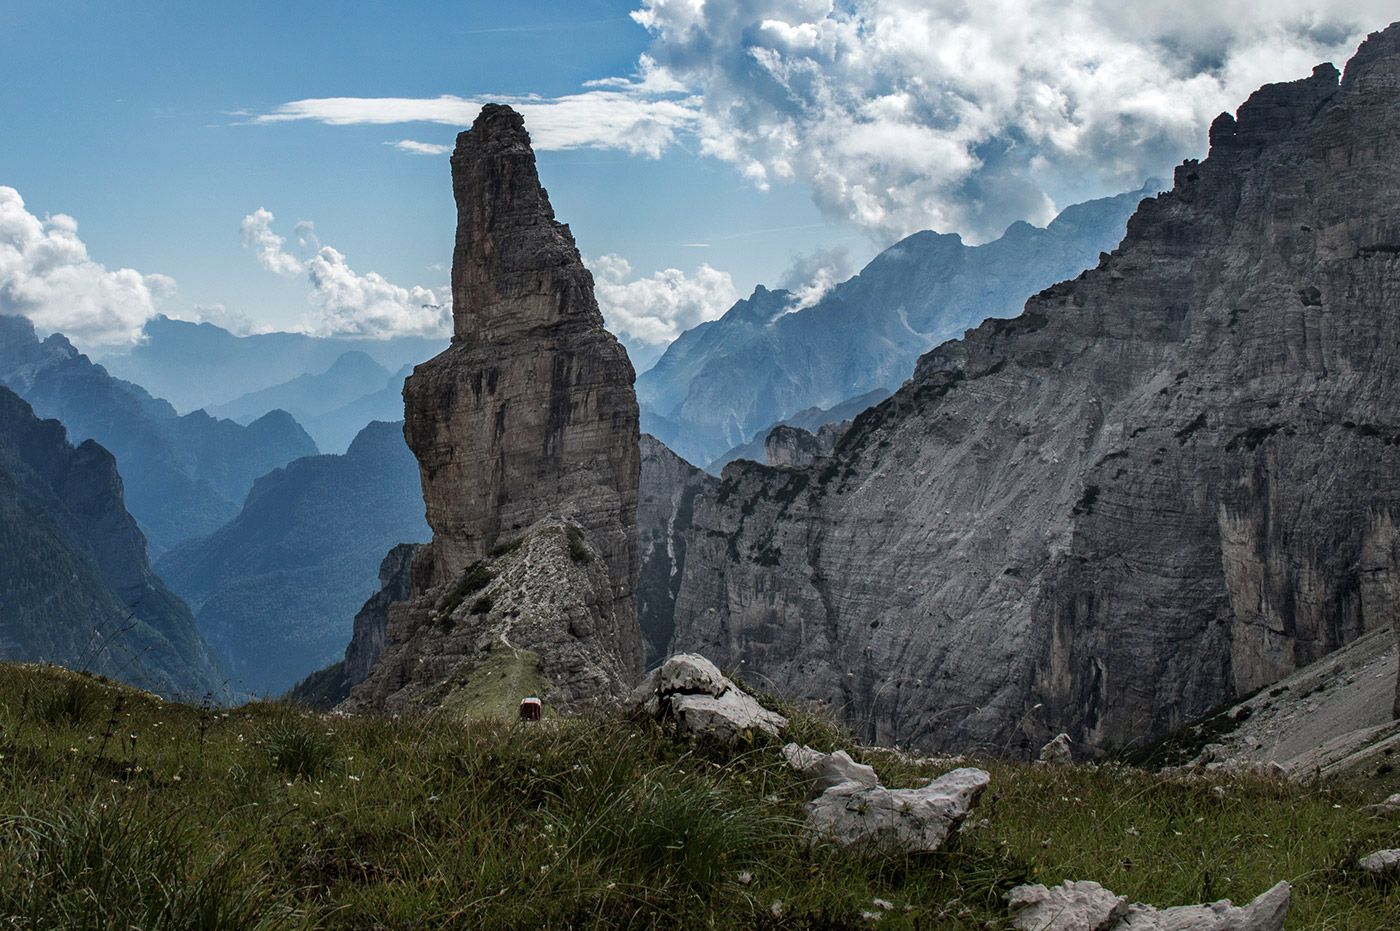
(1168, 482)
(530, 414)
(792, 446)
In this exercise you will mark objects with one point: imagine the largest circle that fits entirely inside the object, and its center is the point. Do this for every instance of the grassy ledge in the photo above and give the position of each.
(120, 810)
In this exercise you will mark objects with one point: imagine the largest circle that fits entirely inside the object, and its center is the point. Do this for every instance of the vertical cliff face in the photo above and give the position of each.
(530, 413)
(525, 430)
(1168, 482)
(667, 502)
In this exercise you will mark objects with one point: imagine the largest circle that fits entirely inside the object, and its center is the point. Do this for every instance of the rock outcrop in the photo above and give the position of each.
(528, 614)
(1168, 482)
(530, 413)
(793, 446)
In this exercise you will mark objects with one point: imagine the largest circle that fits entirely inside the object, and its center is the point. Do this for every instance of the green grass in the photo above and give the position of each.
(148, 814)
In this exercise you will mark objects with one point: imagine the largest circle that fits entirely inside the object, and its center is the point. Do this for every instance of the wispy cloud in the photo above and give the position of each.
(47, 276)
(643, 115)
(413, 147)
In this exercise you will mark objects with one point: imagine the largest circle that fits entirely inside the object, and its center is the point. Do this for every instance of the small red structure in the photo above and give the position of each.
(529, 709)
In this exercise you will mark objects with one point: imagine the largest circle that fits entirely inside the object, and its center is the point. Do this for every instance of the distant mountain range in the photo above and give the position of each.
(196, 365)
(276, 589)
(76, 587)
(724, 381)
(334, 405)
(184, 476)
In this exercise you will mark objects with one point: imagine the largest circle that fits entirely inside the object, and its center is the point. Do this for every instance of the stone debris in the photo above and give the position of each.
(1387, 807)
(1056, 752)
(701, 699)
(876, 819)
(1381, 862)
(1088, 906)
(825, 770)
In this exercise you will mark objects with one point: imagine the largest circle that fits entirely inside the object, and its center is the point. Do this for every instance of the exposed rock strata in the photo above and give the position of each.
(1168, 482)
(369, 634)
(530, 413)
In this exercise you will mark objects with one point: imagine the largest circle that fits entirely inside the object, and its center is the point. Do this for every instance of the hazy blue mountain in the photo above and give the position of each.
(276, 589)
(352, 375)
(195, 365)
(335, 429)
(76, 587)
(184, 476)
(723, 381)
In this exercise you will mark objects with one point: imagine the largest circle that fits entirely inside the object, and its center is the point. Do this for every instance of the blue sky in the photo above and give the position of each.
(695, 149)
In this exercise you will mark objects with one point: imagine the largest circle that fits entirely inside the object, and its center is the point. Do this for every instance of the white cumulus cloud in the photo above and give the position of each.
(656, 309)
(343, 301)
(258, 236)
(47, 276)
(905, 114)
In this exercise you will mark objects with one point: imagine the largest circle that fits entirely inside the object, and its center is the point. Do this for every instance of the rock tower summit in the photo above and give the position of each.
(530, 414)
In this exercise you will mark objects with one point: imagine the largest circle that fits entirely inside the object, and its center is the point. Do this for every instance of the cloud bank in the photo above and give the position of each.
(47, 276)
(900, 115)
(657, 309)
(344, 302)
(905, 114)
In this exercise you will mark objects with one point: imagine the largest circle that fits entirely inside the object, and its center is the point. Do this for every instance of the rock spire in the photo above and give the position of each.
(530, 414)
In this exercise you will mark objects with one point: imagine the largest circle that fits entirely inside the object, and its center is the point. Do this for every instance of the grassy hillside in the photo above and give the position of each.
(119, 810)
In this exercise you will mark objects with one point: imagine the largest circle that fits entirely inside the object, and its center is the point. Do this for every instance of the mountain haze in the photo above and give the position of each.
(184, 476)
(276, 589)
(723, 381)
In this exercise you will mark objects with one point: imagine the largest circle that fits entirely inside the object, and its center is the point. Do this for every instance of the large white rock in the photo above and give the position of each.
(691, 672)
(725, 717)
(824, 770)
(1087, 906)
(1057, 752)
(876, 819)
